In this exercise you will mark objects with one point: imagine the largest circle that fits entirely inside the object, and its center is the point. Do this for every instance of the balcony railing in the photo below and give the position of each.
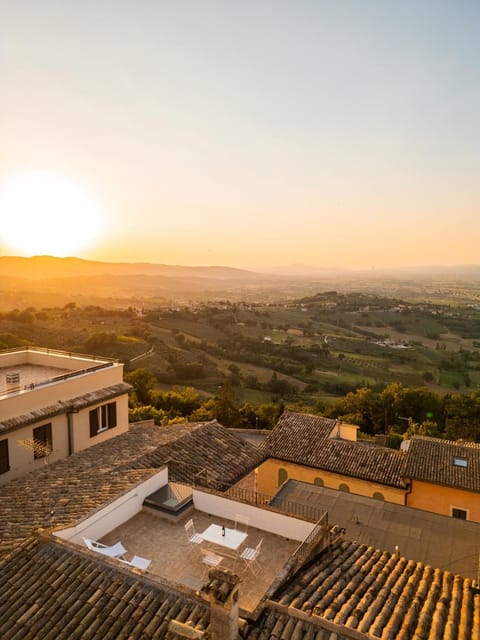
(105, 362)
(317, 538)
(201, 478)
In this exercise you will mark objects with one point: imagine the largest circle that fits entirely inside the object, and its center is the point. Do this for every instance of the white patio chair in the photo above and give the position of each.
(250, 556)
(210, 558)
(138, 562)
(192, 535)
(241, 522)
(116, 550)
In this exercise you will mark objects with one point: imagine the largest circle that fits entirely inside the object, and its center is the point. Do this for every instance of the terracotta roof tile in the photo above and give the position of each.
(224, 455)
(304, 439)
(432, 460)
(378, 594)
(50, 590)
(57, 408)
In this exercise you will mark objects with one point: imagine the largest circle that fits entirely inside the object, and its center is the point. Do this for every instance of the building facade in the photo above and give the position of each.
(444, 477)
(325, 452)
(53, 404)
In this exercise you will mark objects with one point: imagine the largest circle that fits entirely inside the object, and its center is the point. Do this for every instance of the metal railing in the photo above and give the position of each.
(319, 536)
(106, 362)
(67, 376)
(200, 477)
(58, 352)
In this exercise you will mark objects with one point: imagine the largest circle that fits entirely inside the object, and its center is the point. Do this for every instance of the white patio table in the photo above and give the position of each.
(231, 540)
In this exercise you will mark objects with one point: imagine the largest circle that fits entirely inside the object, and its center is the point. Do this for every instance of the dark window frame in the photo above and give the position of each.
(4, 456)
(460, 514)
(43, 434)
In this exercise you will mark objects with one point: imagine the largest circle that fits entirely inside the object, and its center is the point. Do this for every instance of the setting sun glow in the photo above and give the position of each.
(48, 215)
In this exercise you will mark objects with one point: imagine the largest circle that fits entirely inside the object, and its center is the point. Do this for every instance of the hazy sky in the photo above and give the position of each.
(249, 133)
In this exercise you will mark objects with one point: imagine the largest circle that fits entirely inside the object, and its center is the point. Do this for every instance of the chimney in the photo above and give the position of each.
(223, 592)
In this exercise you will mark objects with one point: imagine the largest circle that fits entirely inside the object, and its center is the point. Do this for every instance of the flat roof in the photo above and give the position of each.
(28, 374)
(440, 541)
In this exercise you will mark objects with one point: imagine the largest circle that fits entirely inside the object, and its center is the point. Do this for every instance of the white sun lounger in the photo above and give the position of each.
(138, 562)
(114, 551)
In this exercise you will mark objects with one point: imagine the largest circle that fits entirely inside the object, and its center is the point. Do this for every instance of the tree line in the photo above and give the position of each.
(397, 410)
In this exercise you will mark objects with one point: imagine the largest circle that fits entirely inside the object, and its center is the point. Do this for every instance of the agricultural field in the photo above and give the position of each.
(314, 348)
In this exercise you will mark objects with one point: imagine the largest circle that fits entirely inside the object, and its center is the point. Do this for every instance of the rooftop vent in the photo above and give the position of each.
(13, 378)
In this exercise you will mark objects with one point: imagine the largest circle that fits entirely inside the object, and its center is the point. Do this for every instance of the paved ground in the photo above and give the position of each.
(176, 560)
(440, 541)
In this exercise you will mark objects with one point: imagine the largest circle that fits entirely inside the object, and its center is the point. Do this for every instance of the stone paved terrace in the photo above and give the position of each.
(174, 558)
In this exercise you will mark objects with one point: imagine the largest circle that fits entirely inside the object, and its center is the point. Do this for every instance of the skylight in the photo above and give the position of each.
(460, 462)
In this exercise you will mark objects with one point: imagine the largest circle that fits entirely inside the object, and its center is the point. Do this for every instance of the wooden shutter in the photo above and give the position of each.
(94, 425)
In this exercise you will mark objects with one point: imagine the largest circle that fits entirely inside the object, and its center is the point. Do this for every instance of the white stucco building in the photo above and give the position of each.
(54, 403)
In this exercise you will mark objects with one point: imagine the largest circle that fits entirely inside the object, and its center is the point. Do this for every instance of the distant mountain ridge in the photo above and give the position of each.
(49, 281)
(46, 267)
(311, 272)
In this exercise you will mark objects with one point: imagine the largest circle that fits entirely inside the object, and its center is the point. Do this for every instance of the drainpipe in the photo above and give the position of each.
(71, 442)
(409, 483)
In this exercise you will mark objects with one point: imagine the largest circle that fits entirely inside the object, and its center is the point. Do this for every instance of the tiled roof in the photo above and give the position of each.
(432, 460)
(219, 451)
(51, 591)
(304, 439)
(79, 484)
(57, 408)
(376, 593)
(298, 434)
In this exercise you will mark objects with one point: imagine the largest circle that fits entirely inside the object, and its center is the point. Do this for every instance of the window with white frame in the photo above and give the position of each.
(102, 418)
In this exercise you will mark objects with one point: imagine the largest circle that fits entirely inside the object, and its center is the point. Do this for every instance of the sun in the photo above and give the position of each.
(48, 215)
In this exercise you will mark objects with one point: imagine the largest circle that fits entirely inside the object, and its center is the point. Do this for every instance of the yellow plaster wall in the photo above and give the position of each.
(345, 431)
(267, 480)
(439, 499)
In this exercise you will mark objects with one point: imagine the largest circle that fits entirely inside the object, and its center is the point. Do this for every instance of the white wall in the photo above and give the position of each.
(115, 513)
(49, 358)
(29, 399)
(262, 519)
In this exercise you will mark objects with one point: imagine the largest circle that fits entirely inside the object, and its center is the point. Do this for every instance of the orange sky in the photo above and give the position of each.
(244, 134)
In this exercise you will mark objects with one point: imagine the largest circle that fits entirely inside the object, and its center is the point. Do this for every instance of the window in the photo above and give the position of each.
(282, 476)
(103, 418)
(4, 462)
(344, 487)
(42, 441)
(459, 461)
(319, 482)
(461, 514)
(378, 496)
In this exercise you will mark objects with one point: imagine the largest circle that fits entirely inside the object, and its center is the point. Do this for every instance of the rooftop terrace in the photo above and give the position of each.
(176, 560)
(26, 368)
(28, 374)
